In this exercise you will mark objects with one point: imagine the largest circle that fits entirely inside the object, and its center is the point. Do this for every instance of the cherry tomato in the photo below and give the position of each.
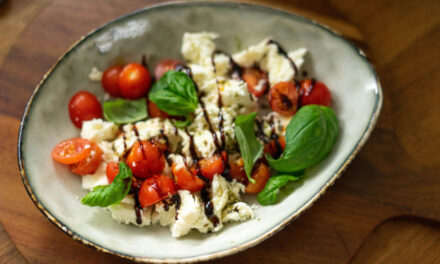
(155, 189)
(210, 167)
(272, 148)
(256, 80)
(145, 160)
(84, 106)
(314, 92)
(261, 175)
(112, 170)
(164, 66)
(236, 170)
(134, 81)
(90, 164)
(154, 111)
(161, 143)
(110, 80)
(283, 98)
(71, 150)
(187, 179)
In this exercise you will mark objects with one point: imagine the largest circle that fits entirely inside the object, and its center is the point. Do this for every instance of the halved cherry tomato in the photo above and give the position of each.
(134, 81)
(314, 92)
(210, 167)
(110, 80)
(90, 164)
(161, 143)
(256, 80)
(145, 159)
(71, 150)
(261, 175)
(272, 148)
(187, 179)
(283, 98)
(164, 66)
(84, 106)
(236, 170)
(111, 171)
(155, 189)
(154, 111)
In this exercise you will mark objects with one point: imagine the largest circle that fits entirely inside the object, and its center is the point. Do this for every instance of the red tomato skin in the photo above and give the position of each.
(236, 170)
(187, 179)
(148, 194)
(283, 98)
(154, 111)
(112, 170)
(110, 80)
(261, 175)
(319, 95)
(90, 164)
(145, 160)
(134, 81)
(156, 189)
(164, 66)
(84, 106)
(71, 151)
(256, 80)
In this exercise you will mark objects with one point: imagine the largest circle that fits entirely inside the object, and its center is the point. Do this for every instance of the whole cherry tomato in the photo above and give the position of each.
(164, 66)
(145, 159)
(314, 92)
(90, 164)
(154, 111)
(111, 171)
(156, 189)
(110, 80)
(261, 175)
(84, 106)
(187, 179)
(134, 81)
(71, 151)
(283, 98)
(256, 81)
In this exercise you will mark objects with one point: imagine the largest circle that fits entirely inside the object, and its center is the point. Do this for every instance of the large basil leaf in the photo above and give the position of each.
(121, 111)
(175, 94)
(269, 195)
(105, 195)
(250, 148)
(310, 136)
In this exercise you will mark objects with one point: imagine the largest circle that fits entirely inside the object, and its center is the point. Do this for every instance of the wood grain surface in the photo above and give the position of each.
(382, 210)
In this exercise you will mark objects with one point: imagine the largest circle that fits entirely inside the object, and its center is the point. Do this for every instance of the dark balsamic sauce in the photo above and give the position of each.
(275, 138)
(175, 199)
(304, 92)
(260, 131)
(283, 52)
(137, 204)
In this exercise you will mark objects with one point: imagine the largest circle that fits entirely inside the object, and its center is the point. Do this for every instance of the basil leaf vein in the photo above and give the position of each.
(250, 148)
(269, 195)
(121, 111)
(310, 136)
(175, 94)
(105, 195)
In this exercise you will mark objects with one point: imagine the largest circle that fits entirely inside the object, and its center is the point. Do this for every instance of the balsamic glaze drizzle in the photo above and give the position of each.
(283, 52)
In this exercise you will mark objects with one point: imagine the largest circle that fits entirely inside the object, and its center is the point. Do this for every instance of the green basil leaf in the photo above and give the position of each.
(250, 148)
(269, 195)
(183, 123)
(105, 195)
(310, 136)
(175, 94)
(121, 111)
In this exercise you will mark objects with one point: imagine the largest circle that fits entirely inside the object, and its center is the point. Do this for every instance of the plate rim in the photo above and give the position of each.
(232, 250)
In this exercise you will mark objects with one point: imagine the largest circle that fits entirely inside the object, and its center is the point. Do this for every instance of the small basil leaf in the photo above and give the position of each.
(310, 136)
(250, 148)
(121, 111)
(183, 123)
(105, 195)
(269, 195)
(175, 94)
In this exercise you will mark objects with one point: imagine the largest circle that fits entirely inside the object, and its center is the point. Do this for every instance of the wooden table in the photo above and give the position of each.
(383, 210)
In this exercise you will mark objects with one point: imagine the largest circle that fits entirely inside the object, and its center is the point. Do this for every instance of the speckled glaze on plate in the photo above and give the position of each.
(157, 31)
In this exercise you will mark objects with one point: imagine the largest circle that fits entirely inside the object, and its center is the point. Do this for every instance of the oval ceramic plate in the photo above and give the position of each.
(157, 31)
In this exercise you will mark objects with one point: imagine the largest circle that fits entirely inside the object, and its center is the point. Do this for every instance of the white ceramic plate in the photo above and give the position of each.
(157, 31)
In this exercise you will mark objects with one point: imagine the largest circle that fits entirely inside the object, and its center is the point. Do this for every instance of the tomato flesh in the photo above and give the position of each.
(145, 159)
(111, 171)
(84, 106)
(134, 81)
(110, 80)
(272, 147)
(71, 151)
(256, 81)
(154, 111)
(236, 170)
(261, 175)
(314, 92)
(187, 179)
(90, 164)
(283, 98)
(164, 66)
(210, 167)
(156, 189)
